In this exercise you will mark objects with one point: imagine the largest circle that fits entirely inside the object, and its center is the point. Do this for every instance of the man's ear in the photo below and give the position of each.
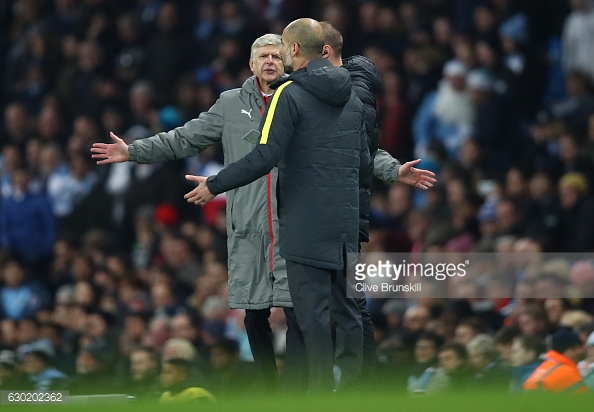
(326, 52)
(295, 49)
(252, 65)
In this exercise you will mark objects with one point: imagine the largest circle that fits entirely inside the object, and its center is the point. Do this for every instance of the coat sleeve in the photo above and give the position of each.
(277, 132)
(181, 142)
(385, 167)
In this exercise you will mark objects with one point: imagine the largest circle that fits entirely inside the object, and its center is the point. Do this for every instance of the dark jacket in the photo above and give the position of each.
(366, 83)
(314, 130)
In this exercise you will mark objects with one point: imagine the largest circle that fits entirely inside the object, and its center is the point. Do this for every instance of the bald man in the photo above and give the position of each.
(315, 131)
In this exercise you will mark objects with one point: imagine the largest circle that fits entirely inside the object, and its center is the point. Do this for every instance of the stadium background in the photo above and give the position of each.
(129, 263)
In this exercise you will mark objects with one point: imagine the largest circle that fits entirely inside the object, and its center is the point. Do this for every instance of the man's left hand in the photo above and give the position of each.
(408, 174)
(200, 195)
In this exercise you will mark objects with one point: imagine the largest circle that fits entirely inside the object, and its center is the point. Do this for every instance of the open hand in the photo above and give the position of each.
(116, 152)
(408, 174)
(199, 195)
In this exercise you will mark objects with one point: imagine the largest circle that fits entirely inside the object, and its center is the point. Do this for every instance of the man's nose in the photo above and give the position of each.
(269, 59)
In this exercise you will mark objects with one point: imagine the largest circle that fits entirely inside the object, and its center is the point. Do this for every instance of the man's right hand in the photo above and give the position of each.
(116, 152)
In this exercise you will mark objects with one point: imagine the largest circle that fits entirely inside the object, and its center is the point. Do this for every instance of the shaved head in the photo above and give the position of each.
(308, 33)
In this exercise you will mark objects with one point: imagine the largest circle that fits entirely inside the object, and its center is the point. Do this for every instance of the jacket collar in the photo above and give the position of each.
(555, 356)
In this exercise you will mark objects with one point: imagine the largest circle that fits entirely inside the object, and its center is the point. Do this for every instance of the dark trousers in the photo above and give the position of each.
(317, 295)
(259, 334)
(369, 369)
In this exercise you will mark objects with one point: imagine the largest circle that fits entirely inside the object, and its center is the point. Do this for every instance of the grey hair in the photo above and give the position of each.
(485, 345)
(269, 39)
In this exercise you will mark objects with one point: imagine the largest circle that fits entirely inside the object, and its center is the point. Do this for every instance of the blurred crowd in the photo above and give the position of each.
(107, 272)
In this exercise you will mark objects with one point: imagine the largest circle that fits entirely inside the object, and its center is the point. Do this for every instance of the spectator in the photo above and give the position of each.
(92, 371)
(577, 212)
(176, 379)
(231, 375)
(422, 379)
(453, 363)
(577, 49)
(40, 372)
(586, 366)
(144, 371)
(169, 53)
(525, 358)
(490, 371)
(446, 115)
(28, 226)
(8, 373)
(467, 330)
(559, 371)
(19, 298)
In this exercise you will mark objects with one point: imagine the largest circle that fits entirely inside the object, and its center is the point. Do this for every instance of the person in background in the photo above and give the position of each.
(366, 84)
(178, 386)
(525, 354)
(586, 366)
(422, 378)
(559, 371)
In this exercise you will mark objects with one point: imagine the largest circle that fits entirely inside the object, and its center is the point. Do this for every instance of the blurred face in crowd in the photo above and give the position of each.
(142, 365)
(267, 64)
(568, 196)
(86, 364)
(464, 334)
(555, 309)
(458, 83)
(15, 118)
(167, 19)
(33, 365)
(14, 274)
(449, 361)
(27, 331)
(8, 332)
(425, 350)
(520, 356)
(529, 325)
(134, 327)
(171, 375)
(96, 326)
(576, 353)
(477, 359)
(221, 360)
(181, 327)
(416, 318)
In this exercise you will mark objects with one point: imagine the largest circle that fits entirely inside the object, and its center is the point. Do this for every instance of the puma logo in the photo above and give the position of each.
(243, 111)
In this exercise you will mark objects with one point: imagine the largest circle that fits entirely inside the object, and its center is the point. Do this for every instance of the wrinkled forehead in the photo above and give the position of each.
(266, 50)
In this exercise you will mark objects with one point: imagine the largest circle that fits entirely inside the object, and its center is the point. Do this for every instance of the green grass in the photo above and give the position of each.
(474, 402)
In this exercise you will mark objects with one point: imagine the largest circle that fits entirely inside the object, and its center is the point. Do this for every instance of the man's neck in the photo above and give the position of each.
(299, 63)
(264, 86)
(336, 61)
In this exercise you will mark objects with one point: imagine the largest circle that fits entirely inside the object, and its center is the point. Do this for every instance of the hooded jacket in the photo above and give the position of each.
(366, 83)
(257, 276)
(314, 130)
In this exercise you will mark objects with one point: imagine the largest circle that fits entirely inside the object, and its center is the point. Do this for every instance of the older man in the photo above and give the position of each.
(314, 130)
(257, 274)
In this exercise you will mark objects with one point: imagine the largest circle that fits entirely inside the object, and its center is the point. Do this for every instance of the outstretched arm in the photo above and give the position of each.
(179, 143)
(277, 133)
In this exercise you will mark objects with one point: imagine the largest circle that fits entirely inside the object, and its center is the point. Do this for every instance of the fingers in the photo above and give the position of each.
(192, 195)
(114, 137)
(197, 179)
(414, 162)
